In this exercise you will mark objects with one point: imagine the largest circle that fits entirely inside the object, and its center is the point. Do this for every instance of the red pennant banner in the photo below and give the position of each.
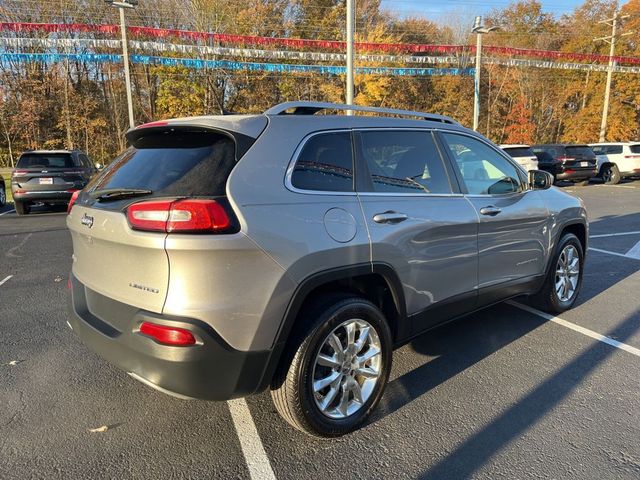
(299, 43)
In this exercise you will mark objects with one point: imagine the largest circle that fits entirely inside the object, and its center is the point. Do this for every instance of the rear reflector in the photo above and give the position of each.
(182, 216)
(168, 335)
(72, 200)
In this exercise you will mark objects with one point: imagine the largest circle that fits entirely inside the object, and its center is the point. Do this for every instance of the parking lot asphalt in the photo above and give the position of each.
(503, 393)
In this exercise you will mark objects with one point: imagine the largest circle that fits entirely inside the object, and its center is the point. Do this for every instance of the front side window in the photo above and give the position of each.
(484, 171)
(404, 162)
(325, 164)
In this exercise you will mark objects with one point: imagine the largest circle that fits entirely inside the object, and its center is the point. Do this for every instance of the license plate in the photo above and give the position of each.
(46, 181)
(584, 164)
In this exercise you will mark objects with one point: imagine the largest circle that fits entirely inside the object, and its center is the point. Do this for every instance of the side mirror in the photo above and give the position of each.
(99, 166)
(540, 180)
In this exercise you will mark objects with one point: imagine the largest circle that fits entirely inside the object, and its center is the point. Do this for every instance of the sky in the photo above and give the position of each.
(466, 8)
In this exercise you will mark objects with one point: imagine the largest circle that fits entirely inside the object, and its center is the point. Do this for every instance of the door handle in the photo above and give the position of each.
(390, 217)
(490, 210)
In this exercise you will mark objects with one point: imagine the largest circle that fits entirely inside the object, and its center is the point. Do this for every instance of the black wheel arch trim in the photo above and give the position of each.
(318, 279)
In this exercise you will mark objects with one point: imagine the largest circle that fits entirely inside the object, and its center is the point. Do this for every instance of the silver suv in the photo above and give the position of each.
(220, 256)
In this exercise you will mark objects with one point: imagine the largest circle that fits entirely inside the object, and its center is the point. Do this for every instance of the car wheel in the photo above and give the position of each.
(336, 372)
(3, 195)
(610, 175)
(22, 208)
(564, 279)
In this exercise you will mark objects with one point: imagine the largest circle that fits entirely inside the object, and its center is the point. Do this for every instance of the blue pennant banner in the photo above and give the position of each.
(196, 63)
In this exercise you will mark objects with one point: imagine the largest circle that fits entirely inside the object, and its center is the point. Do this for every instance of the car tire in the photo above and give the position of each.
(552, 297)
(610, 175)
(314, 389)
(3, 195)
(22, 208)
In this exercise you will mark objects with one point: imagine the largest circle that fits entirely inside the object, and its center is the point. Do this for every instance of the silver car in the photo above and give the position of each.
(221, 256)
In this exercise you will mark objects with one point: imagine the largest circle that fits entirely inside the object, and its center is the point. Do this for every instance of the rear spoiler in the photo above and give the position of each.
(242, 141)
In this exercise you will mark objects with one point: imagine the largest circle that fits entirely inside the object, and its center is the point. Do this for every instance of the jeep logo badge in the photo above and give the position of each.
(87, 221)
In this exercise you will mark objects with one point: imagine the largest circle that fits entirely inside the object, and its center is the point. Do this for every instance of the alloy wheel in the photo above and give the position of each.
(347, 369)
(567, 273)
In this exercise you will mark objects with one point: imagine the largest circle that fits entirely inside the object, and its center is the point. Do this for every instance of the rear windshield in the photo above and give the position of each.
(173, 164)
(579, 151)
(520, 152)
(635, 148)
(45, 160)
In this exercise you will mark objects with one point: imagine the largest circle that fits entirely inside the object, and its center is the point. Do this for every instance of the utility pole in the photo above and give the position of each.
(350, 35)
(125, 52)
(479, 30)
(611, 40)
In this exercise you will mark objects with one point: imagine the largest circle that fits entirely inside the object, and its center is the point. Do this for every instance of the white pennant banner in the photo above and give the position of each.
(67, 44)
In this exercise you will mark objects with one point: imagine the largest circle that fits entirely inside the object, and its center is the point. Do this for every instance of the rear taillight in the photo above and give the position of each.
(174, 336)
(15, 173)
(184, 216)
(632, 156)
(72, 200)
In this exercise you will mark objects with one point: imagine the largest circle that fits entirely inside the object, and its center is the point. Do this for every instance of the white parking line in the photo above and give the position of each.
(634, 252)
(5, 280)
(615, 186)
(9, 211)
(577, 328)
(637, 232)
(623, 255)
(252, 448)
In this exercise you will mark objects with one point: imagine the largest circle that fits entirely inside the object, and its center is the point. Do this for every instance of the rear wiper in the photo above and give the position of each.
(118, 193)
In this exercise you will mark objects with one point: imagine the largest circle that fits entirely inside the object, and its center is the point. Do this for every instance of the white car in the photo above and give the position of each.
(523, 155)
(617, 160)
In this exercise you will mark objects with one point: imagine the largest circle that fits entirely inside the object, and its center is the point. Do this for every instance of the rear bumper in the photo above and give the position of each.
(210, 370)
(562, 173)
(54, 196)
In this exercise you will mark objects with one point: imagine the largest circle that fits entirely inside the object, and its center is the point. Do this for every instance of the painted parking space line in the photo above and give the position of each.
(616, 186)
(252, 448)
(5, 280)
(634, 252)
(623, 255)
(8, 211)
(605, 235)
(577, 328)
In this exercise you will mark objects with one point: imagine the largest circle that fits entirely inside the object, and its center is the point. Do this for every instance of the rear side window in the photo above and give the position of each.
(635, 148)
(520, 152)
(404, 162)
(175, 163)
(45, 160)
(546, 154)
(607, 149)
(325, 164)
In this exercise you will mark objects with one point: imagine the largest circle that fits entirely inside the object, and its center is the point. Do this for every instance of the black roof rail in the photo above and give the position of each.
(311, 108)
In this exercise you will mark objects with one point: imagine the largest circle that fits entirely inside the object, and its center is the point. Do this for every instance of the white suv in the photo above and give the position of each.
(617, 161)
(523, 155)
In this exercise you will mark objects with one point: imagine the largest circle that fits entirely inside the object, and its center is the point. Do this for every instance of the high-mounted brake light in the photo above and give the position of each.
(160, 123)
(182, 216)
(72, 200)
(168, 335)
